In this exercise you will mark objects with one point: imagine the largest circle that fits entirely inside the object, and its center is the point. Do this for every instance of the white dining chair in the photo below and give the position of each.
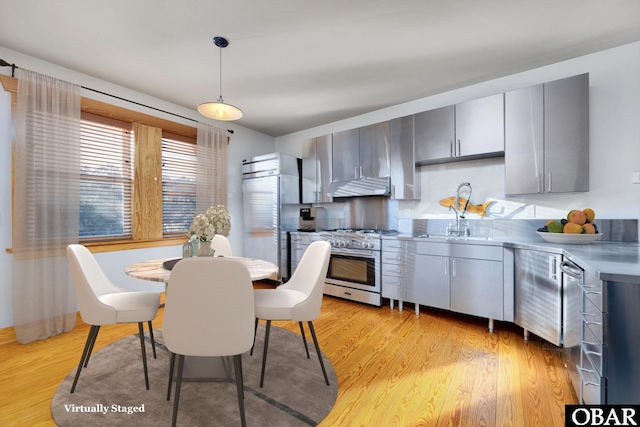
(103, 303)
(208, 318)
(300, 299)
(220, 244)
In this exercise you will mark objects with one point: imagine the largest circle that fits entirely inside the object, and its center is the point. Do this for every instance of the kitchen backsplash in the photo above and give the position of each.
(617, 230)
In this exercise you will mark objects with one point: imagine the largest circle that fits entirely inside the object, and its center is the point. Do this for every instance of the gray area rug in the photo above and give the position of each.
(112, 388)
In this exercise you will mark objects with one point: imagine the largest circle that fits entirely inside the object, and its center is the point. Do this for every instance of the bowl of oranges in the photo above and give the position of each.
(578, 228)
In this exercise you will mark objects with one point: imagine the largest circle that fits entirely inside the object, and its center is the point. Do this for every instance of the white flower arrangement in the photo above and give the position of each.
(216, 220)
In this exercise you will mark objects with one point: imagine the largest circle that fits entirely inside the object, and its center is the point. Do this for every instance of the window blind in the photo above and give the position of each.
(106, 178)
(178, 183)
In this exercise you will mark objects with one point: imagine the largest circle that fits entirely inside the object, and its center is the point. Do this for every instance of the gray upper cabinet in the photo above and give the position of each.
(547, 137)
(361, 153)
(346, 155)
(480, 126)
(316, 169)
(405, 177)
(472, 129)
(435, 133)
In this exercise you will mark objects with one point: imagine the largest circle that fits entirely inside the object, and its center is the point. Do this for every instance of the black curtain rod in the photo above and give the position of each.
(144, 105)
(4, 63)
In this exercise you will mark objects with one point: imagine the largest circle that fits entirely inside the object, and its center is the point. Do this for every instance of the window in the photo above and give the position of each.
(178, 184)
(106, 178)
(125, 158)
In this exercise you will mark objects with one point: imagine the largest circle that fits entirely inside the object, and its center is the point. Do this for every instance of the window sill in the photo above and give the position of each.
(96, 247)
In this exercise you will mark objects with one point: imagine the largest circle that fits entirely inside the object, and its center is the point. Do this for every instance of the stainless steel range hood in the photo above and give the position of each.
(361, 187)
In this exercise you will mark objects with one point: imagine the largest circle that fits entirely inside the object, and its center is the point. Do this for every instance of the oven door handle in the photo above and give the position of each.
(359, 254)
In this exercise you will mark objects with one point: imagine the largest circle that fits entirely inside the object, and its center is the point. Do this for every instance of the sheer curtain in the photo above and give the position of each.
(46, 204)
(211, 167)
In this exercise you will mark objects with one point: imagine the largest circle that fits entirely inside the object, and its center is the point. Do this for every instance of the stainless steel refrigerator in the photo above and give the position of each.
(271, 194)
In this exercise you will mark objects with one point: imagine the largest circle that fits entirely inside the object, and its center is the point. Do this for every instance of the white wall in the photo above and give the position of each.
(614, 143)
(244, 143)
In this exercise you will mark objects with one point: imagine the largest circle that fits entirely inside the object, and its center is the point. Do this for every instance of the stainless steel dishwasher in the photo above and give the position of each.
(538, 294)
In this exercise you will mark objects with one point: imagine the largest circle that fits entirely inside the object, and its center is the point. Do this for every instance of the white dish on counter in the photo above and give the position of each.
(569, 238)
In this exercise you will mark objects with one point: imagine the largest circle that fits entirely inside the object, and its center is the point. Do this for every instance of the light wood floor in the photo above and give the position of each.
(393, 369)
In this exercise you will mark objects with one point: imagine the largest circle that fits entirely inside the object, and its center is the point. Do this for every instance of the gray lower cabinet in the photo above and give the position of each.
(431, 285)
(477, 287)
(394, 260)
(299, 242)
(463, 278)
(547, 137)
(538, 294)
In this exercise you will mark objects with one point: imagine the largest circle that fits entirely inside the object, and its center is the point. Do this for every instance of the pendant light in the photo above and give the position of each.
(219, 110)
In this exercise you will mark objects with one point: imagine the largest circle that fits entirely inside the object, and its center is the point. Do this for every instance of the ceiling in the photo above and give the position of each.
(296, 64)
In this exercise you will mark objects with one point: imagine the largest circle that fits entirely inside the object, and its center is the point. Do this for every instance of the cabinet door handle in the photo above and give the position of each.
(453, 268)
(458, 151)
(553, 272)
(360, 174)
(538, 182)
(549, 182)
(451, 148)
(446, 267)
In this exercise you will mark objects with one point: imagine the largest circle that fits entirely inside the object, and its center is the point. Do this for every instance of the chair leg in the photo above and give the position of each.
(144, 355)
(255, 330)
(264, 353)
(172, 363)
(91, 339)
(315, 341)
(176, 399)
(237, 362)
(304, 340)
(93, 342)
(153, 342)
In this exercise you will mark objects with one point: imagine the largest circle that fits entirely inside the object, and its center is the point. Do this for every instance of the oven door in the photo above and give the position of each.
(353, 268)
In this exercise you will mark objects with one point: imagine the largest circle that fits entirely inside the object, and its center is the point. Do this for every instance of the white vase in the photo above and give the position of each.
(205, 249)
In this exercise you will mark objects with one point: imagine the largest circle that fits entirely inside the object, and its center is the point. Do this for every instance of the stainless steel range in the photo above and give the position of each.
(354, 267)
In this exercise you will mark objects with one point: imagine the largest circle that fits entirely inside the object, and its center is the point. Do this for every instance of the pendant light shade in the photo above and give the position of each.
(218, 110)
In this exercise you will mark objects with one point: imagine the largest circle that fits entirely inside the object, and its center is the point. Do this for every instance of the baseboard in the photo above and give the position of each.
(7, 335)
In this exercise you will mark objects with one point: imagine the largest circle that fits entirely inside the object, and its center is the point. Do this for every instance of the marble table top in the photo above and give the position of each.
(154, 271)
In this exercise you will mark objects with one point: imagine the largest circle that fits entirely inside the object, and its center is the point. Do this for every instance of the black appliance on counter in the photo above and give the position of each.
(312, 219)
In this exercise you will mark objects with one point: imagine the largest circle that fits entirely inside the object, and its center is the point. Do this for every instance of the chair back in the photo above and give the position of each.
(90, 282)
(209, 308)
(221, 245)
(309, 278)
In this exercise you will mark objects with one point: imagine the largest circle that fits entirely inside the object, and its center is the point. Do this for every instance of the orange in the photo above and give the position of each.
(572, 228)
(577, 217)
(589, 213)
(589, 229)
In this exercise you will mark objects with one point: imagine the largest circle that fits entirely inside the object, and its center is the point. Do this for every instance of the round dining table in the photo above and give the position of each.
(200, 368)
(154, 270)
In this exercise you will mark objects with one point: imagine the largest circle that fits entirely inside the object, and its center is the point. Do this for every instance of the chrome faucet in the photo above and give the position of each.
(459, 229)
